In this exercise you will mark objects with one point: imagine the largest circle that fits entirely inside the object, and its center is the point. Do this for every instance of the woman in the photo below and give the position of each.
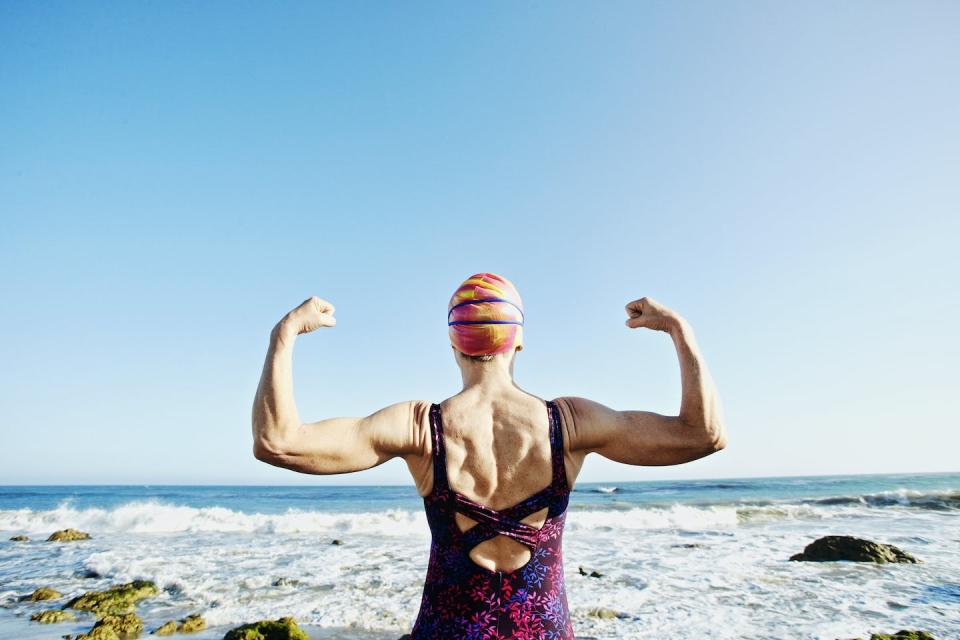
(494, 464)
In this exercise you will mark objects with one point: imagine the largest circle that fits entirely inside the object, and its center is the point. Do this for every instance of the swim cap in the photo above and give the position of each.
(485, 315)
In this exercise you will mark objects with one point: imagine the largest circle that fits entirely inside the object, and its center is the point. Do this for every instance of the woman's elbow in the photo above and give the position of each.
(718, 438)
(264, 451)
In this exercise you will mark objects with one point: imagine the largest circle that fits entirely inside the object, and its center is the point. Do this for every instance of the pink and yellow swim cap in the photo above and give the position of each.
(485, 315)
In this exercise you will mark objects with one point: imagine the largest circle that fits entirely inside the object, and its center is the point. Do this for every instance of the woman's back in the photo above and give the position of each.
(493, 464)
(496, 510)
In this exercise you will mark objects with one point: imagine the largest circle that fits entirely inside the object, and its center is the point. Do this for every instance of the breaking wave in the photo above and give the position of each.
(152, 516)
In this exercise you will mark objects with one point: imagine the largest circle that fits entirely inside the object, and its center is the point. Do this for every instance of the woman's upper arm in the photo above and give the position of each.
(633, 437)
(344, 445)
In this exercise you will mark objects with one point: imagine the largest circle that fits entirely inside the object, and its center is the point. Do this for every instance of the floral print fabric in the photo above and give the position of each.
(464, 601)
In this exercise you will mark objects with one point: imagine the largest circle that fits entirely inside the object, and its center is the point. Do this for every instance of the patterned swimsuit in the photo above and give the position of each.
(464, 601)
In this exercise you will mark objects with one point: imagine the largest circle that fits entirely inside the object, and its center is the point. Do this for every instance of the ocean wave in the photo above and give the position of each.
(935, 500)
(151, 516)
(155, 517)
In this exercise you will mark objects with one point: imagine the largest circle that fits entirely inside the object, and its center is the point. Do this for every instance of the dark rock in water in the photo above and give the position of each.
(592, 574)
(51, 616)
(87, 573)
(832, 548)
(166, 629)
(117, 599)
(903, 634)
(67, 535)
(20, 539)
(286, 582)
(283, 629)
(688, 545)
(43, 593)
(192, 623)
(336, 541)
(127, 624)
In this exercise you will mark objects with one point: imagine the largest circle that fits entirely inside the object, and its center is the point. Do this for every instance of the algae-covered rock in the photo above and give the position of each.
(20, 539)
(192, 623)
(832, 548)
(166, 629)
(124, 625)
(601, 612)
(283, 629)
(44, 593)
(118, 599)
(66, 535)
(51, 616)
(98, 633)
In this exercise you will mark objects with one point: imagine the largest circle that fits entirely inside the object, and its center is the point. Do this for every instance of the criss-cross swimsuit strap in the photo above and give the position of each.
(506, 522)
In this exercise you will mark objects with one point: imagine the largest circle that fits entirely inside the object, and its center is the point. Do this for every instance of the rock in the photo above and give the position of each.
(124, 625)
(831, 548)
(20, 539)
(688, 545)
(43, 593)
(601, 612)
(117, 599)
(283, 629)
(903, 634)
(98, 633)
(286, 582)
(336, 541)
(67, 535)
(592, 574)
(51, 616)
(193, 622)
(166, 629)
(406, 636)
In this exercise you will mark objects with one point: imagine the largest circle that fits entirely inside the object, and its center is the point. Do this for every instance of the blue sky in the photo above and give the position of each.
(175, 176)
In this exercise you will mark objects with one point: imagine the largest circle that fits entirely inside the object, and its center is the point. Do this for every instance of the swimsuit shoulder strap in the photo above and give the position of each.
(556, 448)
(439, 453)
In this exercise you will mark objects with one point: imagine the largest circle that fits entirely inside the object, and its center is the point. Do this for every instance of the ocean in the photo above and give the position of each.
(680, 559)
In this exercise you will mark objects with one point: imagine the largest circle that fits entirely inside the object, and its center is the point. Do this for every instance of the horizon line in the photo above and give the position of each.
(221, 484)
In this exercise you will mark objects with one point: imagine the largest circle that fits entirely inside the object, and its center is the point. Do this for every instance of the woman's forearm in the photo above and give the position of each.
(700, 403)
(275, 416)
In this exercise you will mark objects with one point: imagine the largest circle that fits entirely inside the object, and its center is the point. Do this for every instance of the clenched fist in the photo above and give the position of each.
(650, 314)
(313, 313)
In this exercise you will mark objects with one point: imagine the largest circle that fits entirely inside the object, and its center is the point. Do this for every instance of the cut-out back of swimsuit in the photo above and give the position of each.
(465, 601)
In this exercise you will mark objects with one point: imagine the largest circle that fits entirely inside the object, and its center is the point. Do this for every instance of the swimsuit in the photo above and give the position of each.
(464, 601)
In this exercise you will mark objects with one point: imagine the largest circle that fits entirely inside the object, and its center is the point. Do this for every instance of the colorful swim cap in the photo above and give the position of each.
(485, 315)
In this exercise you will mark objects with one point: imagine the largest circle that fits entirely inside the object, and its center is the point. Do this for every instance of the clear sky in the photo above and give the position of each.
(175, 176)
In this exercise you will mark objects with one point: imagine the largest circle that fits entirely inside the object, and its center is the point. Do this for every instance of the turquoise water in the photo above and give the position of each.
(691, 559)
(277, 499)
